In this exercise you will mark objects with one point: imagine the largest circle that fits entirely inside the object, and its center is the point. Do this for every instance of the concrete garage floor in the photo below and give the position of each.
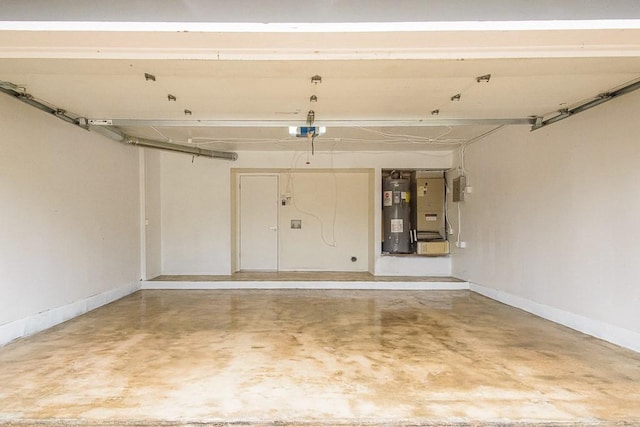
(315, 358)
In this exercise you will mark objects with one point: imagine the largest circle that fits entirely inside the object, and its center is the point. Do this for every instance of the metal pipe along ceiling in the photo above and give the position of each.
(111, 132)
(116, 134)
(149, 143)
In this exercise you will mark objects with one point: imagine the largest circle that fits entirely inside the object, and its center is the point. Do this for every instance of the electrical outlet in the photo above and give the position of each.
(286, 200)
(461, 244)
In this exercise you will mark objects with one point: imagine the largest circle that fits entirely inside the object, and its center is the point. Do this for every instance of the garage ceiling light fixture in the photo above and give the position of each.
(307, 131)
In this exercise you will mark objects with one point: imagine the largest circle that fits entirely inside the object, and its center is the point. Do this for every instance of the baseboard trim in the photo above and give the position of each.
(364, 285)
(595, 328)
(39, 322)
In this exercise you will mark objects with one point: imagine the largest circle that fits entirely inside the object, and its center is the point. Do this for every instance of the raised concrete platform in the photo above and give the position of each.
(305, 280)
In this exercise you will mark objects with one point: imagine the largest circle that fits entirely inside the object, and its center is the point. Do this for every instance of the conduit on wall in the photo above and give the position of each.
(110, 132)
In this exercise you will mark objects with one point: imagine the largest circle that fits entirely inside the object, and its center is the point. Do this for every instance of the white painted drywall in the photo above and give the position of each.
(196, 197)
(553, 217)
(195, 215)
(69, 214)
(334, 210)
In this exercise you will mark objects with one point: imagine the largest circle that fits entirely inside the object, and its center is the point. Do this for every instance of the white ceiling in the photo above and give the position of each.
(263, 78)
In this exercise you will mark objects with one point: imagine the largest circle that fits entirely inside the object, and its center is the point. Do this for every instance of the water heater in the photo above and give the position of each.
(396, 212)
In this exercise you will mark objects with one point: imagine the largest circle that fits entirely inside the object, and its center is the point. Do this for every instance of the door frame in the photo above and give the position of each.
(374, 218)
(235, 214)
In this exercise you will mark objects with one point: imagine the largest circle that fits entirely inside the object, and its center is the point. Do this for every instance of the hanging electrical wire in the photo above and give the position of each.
(463, 172)
(417, 139)
(387, 139)
(290, 189)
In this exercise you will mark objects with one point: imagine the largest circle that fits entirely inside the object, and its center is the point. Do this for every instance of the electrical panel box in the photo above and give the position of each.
(429, 208)
(459, 186)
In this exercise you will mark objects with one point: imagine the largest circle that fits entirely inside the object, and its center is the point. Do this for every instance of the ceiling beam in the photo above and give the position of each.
(297, 46)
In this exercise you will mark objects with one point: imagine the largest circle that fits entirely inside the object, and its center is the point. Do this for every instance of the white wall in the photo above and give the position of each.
(326, 242)
(552, 223)
(195, 215)
(196, 206)
(69, 214)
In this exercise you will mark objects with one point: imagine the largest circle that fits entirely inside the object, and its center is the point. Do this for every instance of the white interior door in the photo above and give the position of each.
(259, 222)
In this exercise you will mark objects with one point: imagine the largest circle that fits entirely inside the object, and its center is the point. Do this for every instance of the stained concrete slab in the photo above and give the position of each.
(315, 358)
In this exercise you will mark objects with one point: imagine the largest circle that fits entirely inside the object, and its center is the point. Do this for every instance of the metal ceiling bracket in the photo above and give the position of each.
(599, 99)
(110, 132)
(537, 122)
